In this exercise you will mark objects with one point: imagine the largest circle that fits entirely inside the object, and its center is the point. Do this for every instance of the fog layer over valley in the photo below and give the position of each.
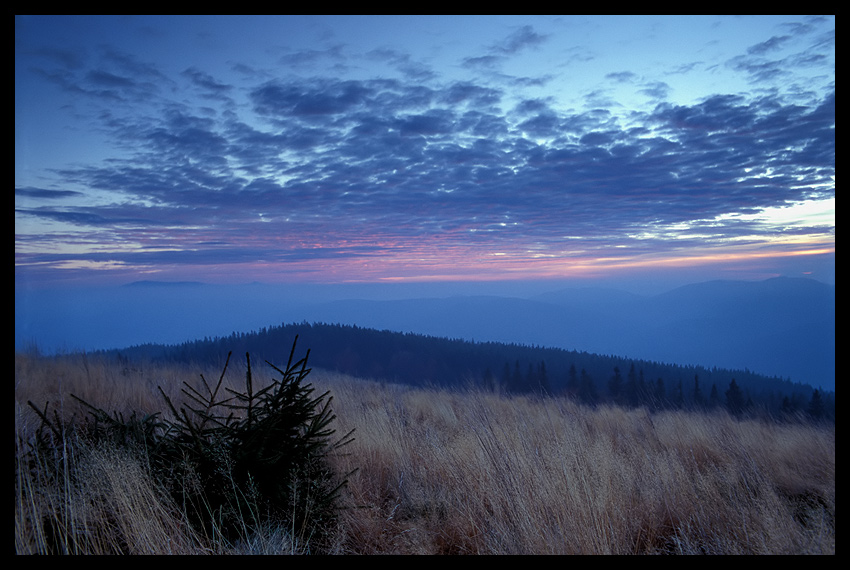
(779, 327)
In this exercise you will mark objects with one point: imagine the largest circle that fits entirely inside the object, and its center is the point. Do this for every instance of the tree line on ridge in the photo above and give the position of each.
(593, 379)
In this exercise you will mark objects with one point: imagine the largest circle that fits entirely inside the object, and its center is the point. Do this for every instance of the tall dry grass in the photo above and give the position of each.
(478, 473)
(101, 501)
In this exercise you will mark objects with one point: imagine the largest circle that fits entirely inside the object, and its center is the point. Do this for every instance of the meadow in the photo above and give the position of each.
(447, 472)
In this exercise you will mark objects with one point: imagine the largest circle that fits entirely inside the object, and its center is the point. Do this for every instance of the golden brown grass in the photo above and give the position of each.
(478, 473)
(103, 502)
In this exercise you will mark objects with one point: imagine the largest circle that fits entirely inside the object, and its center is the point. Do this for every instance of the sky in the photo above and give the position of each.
(423, 149)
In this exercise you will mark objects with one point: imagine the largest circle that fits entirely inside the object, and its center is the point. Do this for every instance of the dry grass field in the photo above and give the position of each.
(442, 472)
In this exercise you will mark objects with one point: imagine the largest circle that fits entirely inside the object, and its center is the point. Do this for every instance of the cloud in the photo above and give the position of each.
(524, 37)
(207, 83)
(499, 52)
(85, 218)
(622, 76)
(464, 92)
(785, 64)
(46, 193)
(106, 80)
(379, 170)
(411, 70)
(334, 168)
(657, 90)
(113, 77)
(64, 57)
(324, 98)
(773, 44)
(309, 58)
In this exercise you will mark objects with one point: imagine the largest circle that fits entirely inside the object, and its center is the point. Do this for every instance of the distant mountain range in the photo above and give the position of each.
(781, 327)
(151, 283)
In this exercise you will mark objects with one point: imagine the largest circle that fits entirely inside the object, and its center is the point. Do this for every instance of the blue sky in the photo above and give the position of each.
(422, 149)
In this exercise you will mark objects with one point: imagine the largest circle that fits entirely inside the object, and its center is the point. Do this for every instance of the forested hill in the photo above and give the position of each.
(422, 360)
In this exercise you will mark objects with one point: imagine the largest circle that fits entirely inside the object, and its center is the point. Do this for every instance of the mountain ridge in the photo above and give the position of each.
(438, 362)
(732, 324)
(782, 327)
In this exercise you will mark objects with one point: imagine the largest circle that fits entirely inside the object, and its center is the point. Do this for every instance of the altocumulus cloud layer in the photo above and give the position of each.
(314, 166)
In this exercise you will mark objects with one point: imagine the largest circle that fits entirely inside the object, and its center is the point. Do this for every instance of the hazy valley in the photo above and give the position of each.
(780, 327)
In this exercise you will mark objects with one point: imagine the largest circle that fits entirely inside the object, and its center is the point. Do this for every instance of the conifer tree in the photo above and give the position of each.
(678, 395)
(632, 387)
(734, 398)
(787, 409)
(643, 396)
(543, 379)
(489, 380)
(506, 377)
(587, 391)
(516, 379)
(659, 396)
(698, 398)
(572, 381)
(531, 381)
(816, 407)
(714, 397)
(615, 386)
(253, 457)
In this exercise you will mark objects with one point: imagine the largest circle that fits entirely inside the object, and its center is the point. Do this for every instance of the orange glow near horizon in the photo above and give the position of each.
(439, 258)
(507, 267)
